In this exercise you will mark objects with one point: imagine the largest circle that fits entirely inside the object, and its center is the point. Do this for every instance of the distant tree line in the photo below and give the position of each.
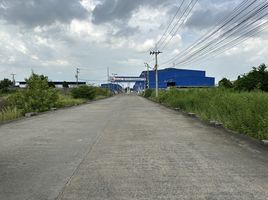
(256, 79)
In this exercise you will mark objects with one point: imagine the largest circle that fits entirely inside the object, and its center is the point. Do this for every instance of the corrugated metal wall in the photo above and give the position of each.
(180, 77)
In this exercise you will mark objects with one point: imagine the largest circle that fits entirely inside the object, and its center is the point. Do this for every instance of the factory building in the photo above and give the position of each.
(172, 77)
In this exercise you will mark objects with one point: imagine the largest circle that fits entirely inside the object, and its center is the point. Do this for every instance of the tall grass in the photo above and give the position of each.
(9, 113)
(66, 100)
(245, 112)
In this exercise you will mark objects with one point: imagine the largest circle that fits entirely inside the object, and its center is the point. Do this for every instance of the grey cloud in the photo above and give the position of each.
(203, 19)
(112, 10)
(41, 12)
(209, 14)
(126, 32)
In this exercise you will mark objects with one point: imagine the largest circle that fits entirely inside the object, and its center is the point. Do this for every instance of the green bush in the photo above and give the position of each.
(245, 112)
(103, 92)
(84, 92)
(148, 93)
(37, 96)
(225, 83)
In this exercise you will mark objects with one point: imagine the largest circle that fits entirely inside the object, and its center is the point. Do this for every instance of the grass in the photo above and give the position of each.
(66, 100)
(8, 114)
(244, 112)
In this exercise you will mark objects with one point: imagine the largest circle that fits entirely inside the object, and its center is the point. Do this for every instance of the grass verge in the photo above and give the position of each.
(66, 101)
(244, 112)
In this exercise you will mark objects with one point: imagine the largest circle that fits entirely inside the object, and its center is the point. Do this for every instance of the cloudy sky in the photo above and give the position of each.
(53, 37)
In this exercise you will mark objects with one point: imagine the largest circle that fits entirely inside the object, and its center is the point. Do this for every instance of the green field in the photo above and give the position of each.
(244, 112)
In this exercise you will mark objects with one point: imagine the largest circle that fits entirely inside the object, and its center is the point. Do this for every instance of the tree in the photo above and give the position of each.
(256, 79)
(4, 85)
(225, 83)
(65, 84)
(51, 84)
(37, 96)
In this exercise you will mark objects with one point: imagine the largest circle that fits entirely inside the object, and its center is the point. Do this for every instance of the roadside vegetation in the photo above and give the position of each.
(240, 105)
(41, 95)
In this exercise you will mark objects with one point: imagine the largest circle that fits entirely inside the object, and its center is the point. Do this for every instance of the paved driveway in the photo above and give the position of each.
(126, 148)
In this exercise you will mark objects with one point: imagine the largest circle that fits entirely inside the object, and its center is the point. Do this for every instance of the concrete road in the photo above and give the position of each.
(127, 148)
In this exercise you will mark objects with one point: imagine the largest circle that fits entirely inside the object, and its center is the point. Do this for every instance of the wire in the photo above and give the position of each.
(228, 34)
(170, 23)
(241, 25)
(224, 22)
(186, 13)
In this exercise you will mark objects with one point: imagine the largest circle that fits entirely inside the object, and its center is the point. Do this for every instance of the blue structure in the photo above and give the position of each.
(172, 77)
(113, 87)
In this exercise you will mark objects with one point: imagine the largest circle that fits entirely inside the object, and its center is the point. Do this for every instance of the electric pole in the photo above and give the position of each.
(13, 79)
(108, 75)
(147, 75)
(156, 53)
(108, 78)
(77, 76)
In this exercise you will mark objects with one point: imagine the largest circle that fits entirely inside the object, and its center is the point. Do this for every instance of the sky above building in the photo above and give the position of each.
(54, 37)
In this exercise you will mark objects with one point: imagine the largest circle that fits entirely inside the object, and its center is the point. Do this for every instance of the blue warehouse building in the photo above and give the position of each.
(172, 77)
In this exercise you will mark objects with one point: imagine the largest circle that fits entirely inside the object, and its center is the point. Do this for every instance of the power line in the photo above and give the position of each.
(224, 22)
(166, 31)
(246, 22)
(183, 16)
(231, 44)
(186, 13)
(236, 30)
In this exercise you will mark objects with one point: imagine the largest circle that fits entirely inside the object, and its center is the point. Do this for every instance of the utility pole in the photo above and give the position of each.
(156, 53)
(77, 76)
(147, 75)
(108, 78)
(108, 74)
(13, 79)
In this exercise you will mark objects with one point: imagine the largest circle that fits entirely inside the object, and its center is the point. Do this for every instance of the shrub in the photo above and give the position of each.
(148, 93)
(37, 96)
(84, 92)
(103, 92)
(225, 83)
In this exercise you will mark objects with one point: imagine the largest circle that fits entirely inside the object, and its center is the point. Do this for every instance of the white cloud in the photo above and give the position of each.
(132, 61)
(146, 46)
